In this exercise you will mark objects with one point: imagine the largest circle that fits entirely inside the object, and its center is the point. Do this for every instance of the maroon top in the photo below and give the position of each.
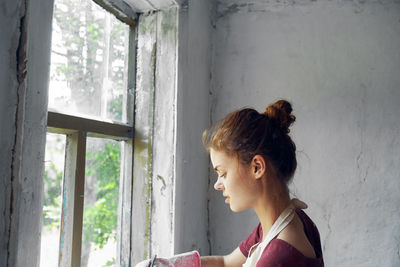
(279, 253)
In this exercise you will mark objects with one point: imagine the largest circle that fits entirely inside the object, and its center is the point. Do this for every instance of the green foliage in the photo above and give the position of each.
(83, 42)
(52, 199)
(100, 220)
(115, 107)
(110, 263)
(94, 32)
(82, 45)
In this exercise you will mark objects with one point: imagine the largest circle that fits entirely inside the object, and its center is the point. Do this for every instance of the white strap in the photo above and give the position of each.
(283, 220)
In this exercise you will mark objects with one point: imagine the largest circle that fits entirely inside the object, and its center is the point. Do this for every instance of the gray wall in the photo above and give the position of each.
(25, 52)
(8, 103)
(337, 61)
(191, 223)
(339, 64)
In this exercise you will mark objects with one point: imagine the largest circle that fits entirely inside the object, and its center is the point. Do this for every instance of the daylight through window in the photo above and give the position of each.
(89, 140)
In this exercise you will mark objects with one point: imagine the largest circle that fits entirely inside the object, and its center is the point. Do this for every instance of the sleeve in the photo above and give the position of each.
(251, 240)
(311, 232)
(280, 254)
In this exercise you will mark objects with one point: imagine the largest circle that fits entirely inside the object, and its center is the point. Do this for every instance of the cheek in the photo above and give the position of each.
(243, 196)
(249, 185)
(237, 186)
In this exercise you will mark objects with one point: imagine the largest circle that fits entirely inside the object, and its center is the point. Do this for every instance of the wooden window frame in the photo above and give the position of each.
(77, 129)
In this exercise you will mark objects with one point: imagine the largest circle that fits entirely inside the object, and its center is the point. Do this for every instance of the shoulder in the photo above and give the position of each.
(311, 231)
(280, 253)
(254, 238)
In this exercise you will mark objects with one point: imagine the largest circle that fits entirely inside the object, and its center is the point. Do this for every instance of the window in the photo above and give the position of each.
(89, 148)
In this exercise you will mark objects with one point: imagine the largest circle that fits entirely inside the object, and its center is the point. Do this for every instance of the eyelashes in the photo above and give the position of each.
(221, 175)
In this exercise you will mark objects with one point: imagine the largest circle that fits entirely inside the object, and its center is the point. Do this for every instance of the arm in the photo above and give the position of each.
(235, 259)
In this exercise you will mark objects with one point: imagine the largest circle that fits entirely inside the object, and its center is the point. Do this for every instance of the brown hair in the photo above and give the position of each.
(246, 133)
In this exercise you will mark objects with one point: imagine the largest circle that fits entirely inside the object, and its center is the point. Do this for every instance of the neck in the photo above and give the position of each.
(271, 204)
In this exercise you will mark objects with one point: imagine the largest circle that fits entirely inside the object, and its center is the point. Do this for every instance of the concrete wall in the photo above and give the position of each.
(337, 61)
(25, 51)
(339, 64)
(8, 110)
(194, 57)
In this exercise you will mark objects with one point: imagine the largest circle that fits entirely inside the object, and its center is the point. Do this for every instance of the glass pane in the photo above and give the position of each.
(52, 201)
(100, 215)
(88, 72)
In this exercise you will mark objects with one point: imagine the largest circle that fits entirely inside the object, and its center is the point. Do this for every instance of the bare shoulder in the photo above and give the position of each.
(294, 235)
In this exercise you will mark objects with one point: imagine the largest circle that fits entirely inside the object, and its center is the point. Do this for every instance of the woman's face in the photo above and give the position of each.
(235, 181)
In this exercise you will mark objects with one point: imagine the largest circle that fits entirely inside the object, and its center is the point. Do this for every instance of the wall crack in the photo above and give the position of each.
(21, 71)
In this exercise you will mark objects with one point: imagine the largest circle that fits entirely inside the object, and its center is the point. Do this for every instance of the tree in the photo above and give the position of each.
(100, 220)
(89, 57)
(52, 197)
(101, 194)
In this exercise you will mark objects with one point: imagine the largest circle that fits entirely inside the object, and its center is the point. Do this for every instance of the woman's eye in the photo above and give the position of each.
(222, 175)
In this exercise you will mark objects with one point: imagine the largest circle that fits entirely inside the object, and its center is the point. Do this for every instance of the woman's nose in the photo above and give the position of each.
(218, 184)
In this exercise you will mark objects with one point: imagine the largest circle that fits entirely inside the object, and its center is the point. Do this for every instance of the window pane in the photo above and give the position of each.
(52, 201)
(88, 61)
(101, 202)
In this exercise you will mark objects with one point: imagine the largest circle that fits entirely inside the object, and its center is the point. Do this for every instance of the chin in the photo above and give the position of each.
(237, 209)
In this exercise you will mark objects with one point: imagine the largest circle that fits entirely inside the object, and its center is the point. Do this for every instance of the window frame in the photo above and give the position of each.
(77, 129)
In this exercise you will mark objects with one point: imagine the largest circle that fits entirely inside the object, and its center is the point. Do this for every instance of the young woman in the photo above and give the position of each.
(255, 158)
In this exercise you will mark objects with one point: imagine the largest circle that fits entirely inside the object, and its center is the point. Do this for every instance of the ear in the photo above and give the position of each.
(258, 166)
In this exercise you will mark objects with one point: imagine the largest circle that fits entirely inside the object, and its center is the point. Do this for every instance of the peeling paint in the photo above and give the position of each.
(63, 216)
(148, 27)
(144, 124)
(21, 52)
(120, 9)
(164, 186)
(231, 9)
(168, 23)
(147, 234)
(150, 154)
(17, 145)
(26, 45)
(226, 8)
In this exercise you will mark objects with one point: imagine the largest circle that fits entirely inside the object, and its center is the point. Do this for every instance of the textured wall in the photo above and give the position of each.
(8, 109)
(25, 52)
(339, 63)
(192, 117)
(156, 94)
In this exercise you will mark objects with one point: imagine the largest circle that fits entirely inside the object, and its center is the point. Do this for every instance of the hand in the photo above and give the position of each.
(188, 259)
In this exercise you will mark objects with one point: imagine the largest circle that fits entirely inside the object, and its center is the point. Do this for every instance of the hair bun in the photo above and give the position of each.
(281, 112)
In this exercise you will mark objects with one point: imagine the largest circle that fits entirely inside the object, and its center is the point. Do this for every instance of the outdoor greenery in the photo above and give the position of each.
(88, 60)
(100, 220)
(101, 194)
(52, 197)
(89, 55)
